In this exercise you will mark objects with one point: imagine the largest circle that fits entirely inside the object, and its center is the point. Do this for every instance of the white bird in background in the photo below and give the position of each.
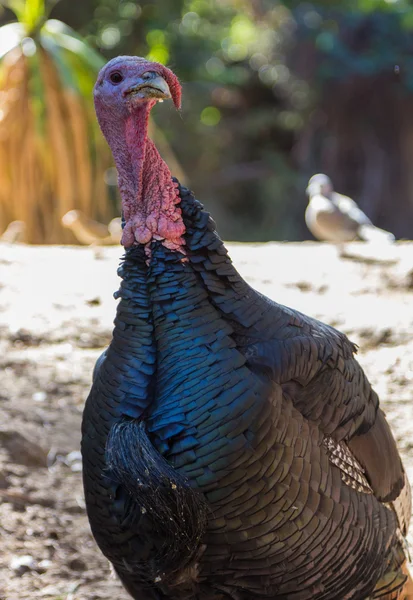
(15, 232)
(332, 217)
(90, 232)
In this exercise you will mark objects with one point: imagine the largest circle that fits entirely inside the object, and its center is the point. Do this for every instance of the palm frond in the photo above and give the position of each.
(52, 154)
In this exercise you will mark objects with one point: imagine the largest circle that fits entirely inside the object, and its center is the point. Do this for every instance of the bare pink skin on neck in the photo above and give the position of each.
(149, 196)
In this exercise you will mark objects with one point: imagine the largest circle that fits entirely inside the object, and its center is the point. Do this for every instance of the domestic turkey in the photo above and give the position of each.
(232, 447)
(333, 217)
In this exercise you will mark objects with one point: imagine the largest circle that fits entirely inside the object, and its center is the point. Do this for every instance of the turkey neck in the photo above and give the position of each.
(149, 196)
(239, 303)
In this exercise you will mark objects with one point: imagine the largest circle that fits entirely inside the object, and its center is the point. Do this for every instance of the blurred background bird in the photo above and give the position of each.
(333, 217)
(88, 231)
(15, 232)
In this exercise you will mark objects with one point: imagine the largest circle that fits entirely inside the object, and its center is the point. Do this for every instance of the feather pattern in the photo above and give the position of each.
(262, 431)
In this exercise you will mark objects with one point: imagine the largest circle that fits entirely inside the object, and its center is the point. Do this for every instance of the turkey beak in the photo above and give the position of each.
(156, 88)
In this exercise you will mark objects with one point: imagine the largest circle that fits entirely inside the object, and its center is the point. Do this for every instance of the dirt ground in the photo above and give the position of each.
(56, 312)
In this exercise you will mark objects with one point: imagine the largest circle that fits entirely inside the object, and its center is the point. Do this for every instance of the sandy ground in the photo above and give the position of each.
(56, 312)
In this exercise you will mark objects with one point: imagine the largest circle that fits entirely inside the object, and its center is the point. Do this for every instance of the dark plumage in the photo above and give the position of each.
(233, 447)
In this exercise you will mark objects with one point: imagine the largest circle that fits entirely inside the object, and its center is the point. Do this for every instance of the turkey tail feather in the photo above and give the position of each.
(158, 494)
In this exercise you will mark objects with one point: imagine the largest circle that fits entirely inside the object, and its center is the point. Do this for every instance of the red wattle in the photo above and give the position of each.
(150, 202)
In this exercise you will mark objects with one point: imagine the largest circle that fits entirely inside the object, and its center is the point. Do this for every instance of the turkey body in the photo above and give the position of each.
(233, 447)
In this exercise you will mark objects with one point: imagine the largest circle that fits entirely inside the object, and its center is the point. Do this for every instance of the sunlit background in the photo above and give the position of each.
(272, 92)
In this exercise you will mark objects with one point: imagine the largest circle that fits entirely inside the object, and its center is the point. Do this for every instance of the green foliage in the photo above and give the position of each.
(28, 12)
(77, 63)
(253, 73)
(237, 90)
(364, 38)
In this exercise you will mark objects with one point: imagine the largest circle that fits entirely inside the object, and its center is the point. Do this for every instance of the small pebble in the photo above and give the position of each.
(77, 564)
(74, 461)
(22, 564)
(44, 565)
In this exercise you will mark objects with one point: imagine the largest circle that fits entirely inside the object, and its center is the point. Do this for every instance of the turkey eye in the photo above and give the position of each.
(116, 77)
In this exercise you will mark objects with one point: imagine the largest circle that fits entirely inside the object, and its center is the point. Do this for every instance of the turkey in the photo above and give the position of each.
(232, 447)
(332, 217)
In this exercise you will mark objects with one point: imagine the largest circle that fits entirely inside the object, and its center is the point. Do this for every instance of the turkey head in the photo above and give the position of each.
(126, 90)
